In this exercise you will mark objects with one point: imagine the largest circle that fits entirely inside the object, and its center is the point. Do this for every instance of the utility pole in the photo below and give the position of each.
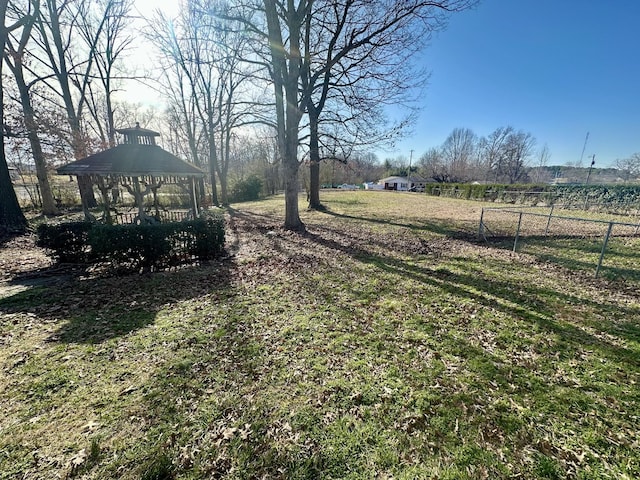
(409, 172)
(583, 148)
(586, 192)
(593, 161)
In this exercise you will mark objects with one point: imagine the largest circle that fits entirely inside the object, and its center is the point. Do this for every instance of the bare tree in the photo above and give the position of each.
(14, 56)
(12, 219)
(543, 159)
(58, 37)
(458, 152)
(516, 155)
(179, 81)
(285, 69)
(492, 150)
(630, 166)
(311, 45)
(78, 41)
(432, 165)
(105, 25)
(205, 80)
(506, 154)
(356, 61)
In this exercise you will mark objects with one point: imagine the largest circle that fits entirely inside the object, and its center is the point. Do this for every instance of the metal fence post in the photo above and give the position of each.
(481, 226)
(604, 248)
(546, 230)
(515, 242)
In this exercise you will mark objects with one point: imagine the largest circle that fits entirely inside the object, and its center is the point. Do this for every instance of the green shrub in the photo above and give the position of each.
(247, 189)
(135, 247)
(68, 241)
(157, 246)
(131, 246)
(577, 195)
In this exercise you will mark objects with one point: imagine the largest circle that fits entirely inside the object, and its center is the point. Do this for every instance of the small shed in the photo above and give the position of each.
(138, 165)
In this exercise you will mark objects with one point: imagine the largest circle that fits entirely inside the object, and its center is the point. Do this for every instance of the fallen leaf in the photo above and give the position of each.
(91, 426)
(78, 459)
(229, 433)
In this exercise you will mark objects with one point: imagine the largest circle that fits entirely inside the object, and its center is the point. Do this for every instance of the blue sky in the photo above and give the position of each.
(555, 68)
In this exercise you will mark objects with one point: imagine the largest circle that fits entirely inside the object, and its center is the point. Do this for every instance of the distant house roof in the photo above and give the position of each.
(394, 179)
(421, 179)
(132, 160)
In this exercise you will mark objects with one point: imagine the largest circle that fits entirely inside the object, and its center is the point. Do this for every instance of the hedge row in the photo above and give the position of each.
(628, 195)
(135, 247)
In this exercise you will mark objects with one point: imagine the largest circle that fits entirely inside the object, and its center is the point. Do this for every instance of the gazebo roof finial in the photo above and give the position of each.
(138, 135)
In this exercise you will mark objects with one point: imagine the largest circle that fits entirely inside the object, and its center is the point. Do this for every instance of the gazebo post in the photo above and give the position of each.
(139, 198)
(194, 197)
(154, 190)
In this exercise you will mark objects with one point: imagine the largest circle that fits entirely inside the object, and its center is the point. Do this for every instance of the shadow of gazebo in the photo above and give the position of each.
(138, 165)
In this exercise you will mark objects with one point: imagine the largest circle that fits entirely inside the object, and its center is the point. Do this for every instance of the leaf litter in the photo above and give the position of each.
(306, 340)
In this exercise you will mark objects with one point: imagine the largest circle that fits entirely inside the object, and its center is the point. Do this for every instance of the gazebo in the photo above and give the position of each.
(140, 166)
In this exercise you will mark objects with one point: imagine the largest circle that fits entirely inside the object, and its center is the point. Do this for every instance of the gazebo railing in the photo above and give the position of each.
(126, 218)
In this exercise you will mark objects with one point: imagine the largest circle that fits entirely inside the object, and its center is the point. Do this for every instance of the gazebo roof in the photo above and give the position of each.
(132, 160)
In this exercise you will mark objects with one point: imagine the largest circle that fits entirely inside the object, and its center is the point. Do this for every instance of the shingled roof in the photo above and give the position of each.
(131, 160)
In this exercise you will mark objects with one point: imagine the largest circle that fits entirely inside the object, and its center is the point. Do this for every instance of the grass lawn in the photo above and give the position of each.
(383, 343)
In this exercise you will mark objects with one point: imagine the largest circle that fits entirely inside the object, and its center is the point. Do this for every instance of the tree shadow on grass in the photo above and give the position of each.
(6, 237)
(579, 255)
(97, 309)
(446, 228)
(531, 303)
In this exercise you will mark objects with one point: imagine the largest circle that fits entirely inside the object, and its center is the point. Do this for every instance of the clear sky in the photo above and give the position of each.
(555, 68)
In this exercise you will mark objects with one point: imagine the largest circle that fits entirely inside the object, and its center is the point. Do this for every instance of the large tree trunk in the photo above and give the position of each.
(87, 196)
(290, 161)
(286, 74)
(314, 164)
(224, 189)
(12, 220)
(224, 165)
(48, 202)
(213, 164)
(291, 192)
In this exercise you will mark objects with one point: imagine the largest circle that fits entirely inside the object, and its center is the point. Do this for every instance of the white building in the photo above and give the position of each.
(404, 184)
(400, 184)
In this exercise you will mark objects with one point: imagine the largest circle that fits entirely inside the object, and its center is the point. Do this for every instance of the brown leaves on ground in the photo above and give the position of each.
(19, 255)
(257, 244)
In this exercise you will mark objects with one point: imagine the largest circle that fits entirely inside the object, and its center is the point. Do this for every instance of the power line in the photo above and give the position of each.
(583, 148)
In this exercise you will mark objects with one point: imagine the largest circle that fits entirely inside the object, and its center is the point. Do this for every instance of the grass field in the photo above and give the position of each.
(383, 343)
(574, 239)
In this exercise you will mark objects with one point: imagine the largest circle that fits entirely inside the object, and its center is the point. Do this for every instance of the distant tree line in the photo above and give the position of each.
(629, 167)
(503, 156)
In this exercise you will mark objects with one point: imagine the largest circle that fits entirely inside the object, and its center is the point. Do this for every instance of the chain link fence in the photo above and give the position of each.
(600, 238)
